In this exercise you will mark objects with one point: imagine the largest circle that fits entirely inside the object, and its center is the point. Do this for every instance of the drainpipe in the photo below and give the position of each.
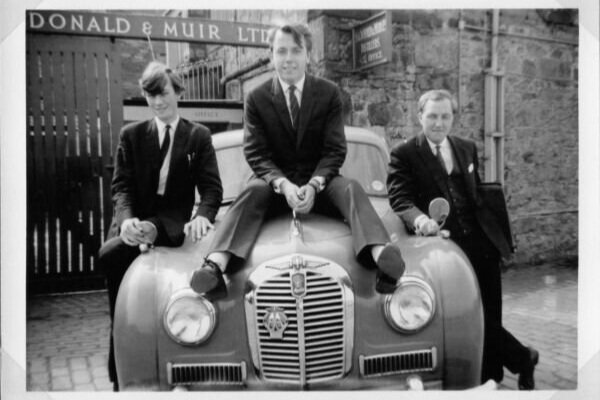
(461, 27)
(494, 111)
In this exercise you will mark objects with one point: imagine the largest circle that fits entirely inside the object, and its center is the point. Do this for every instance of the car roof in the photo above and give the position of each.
(353, 134)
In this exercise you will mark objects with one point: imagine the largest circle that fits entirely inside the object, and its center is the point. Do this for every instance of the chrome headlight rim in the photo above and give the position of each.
(404, 282)
(189, 293)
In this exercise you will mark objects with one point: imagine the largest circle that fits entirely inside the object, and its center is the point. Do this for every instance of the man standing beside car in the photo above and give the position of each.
(295, 144)
(159, 164)
(436, 164)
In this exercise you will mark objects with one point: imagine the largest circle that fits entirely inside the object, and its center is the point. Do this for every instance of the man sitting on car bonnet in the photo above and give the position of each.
(159, 164)
(295, 144)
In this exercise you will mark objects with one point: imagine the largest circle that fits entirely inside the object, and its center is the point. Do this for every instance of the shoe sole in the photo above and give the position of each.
(388, 262)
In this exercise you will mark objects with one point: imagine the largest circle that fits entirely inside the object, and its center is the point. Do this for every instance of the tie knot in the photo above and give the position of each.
(292, 89)
(167, 128)
(438, 148)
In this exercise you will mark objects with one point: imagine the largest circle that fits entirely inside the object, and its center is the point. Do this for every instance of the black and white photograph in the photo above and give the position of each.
(328, 197)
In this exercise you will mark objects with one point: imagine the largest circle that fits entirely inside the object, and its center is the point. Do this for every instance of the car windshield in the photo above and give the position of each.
(364, 163)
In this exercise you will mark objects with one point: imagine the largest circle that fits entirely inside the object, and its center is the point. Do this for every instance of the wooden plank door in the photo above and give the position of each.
(74, 113)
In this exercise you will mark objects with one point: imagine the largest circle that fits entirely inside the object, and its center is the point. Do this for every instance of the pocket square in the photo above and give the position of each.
(470, 168)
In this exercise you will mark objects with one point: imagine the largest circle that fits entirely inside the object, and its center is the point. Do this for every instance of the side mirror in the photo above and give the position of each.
(439, 209)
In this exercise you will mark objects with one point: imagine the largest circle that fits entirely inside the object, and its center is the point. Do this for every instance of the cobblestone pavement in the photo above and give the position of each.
(67, 335)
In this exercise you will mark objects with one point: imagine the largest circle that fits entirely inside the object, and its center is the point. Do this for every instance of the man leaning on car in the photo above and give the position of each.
(436, 164)
(295, 144)
(159, 164)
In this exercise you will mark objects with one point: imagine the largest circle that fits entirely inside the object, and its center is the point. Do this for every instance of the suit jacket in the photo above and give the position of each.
(193, 165)
(274, 149)
(416, 177)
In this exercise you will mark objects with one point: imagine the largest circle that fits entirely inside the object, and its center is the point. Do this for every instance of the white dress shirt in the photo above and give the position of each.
(446, 150)
(298, 92)
(164, 169)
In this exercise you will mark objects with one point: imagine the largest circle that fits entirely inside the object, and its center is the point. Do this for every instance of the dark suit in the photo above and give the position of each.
(193, 164)
(274, 149)
(415, 178)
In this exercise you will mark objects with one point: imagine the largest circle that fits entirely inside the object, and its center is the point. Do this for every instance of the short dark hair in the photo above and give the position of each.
(438, 95)
(298, 32)
(156, 76)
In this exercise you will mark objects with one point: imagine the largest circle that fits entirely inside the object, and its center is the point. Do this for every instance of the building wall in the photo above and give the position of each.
(539, 61)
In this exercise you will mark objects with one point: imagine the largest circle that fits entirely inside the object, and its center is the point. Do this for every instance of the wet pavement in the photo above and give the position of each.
(67, 335)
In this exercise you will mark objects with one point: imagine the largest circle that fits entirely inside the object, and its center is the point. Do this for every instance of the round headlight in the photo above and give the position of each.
(412, 305)
(189, 318)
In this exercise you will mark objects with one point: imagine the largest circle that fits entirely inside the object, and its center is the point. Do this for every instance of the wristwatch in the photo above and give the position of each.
(317, 184)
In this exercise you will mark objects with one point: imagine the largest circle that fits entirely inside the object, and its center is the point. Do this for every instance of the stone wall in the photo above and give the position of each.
(539, 61)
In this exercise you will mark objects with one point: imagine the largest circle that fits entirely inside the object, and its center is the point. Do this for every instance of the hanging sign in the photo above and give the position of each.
(144, 26)
(372, 41)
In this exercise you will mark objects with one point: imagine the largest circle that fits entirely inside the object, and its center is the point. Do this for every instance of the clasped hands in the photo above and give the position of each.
(299, 199)
(135, 232)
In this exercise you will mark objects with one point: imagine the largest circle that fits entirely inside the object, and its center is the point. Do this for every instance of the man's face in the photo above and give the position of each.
(289, 59)
(164, 105)
(436, 119)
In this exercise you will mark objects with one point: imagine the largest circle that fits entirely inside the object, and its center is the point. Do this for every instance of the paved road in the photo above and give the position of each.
(67, 334)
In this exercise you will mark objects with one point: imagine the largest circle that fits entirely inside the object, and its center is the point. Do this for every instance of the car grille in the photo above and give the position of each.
(206, 373)
(312, 347)
(398, 363)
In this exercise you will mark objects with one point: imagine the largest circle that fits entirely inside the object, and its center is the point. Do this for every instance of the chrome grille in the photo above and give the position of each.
(398, 363)
(206, 373)
(312, 347)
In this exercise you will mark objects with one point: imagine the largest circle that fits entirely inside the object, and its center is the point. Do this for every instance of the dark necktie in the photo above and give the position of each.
(294, 107)
(164, 147)
(438, 154)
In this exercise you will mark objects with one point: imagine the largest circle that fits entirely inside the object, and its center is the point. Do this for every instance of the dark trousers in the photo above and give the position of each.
(114, 257)
(500, 348)
(240, 226)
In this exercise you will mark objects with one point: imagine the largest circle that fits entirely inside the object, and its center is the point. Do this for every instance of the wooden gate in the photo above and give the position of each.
(74, 112)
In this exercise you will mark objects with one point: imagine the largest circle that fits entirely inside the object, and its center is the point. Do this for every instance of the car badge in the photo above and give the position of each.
(298, 284)
(275, 321)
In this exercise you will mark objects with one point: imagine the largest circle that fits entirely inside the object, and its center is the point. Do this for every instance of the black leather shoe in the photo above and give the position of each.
(384, 284)
(526, 380)
(390, 261)
(208, 280)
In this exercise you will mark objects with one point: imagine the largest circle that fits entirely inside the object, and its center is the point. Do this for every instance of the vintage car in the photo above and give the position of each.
(302, 313)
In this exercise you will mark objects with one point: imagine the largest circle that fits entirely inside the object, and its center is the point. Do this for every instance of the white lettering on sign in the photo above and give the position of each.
(123, 25)
(77, 22)
(93, 25)
(372, 30)
(252, 35)
(375, 56)
(170, 30)
(213, 32)
(372, 44)
(241, 36)
(36, 20)
(107, 26)
(189, 32)
(147, 28)
(62, 22)
(136, 26)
